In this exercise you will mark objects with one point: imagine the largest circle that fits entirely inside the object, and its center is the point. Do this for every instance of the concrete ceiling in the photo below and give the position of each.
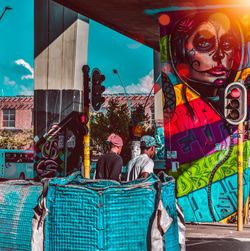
(137, 19)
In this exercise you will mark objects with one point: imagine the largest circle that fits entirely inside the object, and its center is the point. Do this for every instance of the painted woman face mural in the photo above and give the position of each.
(210, 53)
(208, 48)
(202, 52)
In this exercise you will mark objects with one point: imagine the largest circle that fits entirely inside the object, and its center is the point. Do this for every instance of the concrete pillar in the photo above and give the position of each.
(158, 104)
(61, 49)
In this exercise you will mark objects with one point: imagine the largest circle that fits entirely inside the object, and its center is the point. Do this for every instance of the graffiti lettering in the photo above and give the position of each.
(49, 162)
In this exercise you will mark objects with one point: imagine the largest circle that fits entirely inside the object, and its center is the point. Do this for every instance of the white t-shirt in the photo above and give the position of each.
(138, 165)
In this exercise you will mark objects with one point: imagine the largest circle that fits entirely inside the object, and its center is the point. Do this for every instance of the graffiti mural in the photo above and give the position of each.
(201, 53)
(59, 151)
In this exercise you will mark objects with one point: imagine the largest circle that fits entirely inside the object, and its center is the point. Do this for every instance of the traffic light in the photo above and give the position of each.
(84, 121)
(86, 82)
(97, 89)
(235, 107)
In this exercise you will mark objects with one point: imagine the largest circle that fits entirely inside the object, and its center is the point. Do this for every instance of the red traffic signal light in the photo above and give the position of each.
(235, 108)
(235, 92)
(84, 121)
(84, 118)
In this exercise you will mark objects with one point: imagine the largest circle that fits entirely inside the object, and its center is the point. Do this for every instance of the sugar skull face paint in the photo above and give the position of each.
(210, 53)
(208, 47)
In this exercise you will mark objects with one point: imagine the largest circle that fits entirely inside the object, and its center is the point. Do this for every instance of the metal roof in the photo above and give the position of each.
(138, 19)
(17, 103)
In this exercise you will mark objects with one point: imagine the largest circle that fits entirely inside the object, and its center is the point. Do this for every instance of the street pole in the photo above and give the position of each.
(240, 177)
(86, 142)
(66, 152)
(5, 9)
(86, 138)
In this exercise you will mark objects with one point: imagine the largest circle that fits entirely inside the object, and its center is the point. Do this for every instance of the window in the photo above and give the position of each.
(9, 118)
(19, 157)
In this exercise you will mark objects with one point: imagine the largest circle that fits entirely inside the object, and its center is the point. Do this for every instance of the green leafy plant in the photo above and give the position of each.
(16, 139)
(115, 120)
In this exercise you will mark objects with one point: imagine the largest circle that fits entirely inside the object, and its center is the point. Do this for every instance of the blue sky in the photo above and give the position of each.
(108, 50)
(16, 48)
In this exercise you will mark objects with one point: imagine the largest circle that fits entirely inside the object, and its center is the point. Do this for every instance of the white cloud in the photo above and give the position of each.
(25, 91)
(134, 45)
(144, 86)
(8, 81)
(26, 66)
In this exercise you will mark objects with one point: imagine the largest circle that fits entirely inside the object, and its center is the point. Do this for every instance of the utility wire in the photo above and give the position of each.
(156, 82)
(125, 91)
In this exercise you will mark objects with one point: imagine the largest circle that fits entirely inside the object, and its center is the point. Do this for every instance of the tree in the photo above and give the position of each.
(115, 120)
(16, 139)
(138, 114)
(141, 121)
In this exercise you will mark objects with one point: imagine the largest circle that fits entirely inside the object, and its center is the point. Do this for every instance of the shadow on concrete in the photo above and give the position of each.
(218, 244)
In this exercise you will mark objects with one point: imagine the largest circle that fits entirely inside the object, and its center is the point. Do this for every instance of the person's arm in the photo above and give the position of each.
(116, 171)
(144, 175)
(147, 169)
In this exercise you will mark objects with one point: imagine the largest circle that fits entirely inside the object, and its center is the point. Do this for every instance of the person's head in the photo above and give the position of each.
(116, 143)
(206, 49)
(148, 145)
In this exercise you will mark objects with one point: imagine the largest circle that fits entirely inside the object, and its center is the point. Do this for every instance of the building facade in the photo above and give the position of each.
(132, 100)
(16, 113)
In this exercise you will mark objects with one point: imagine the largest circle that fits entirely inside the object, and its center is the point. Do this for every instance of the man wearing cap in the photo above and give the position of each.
(109, 165)
(142, 165)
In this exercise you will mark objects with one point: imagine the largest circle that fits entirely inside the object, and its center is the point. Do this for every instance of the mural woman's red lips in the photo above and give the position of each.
(217, 71)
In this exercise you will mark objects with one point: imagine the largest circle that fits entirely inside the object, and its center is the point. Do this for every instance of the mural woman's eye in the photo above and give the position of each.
(226, 43)
(227, 46)
(204, 42)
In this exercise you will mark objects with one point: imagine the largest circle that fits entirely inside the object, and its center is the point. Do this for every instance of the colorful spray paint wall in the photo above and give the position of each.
(59, 151)
(202, 52)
